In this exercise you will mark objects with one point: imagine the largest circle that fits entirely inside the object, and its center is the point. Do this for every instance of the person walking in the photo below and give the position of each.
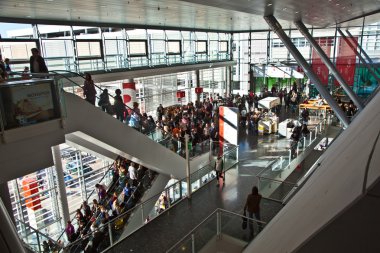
(89, 89)
(219, 167)
(252, 205)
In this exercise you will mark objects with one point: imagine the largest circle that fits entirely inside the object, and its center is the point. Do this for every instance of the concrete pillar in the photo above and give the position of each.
(276, 27)
(65, 214)
(302, 28)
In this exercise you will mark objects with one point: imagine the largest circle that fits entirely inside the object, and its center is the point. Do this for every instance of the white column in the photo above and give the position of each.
(65, 214)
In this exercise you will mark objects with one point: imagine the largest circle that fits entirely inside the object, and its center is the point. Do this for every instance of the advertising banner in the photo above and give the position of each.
(346, 60)
(28, 103)
(32, 103)
(319, 68)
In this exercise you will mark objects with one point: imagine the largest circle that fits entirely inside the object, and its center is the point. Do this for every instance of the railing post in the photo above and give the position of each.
(304, 142)
(110, 233)
(218, 224)
(290, 155)
(311, 133)
(142, 213)
(38, 241)
(187, 166)
(210, 154)
(192, 243)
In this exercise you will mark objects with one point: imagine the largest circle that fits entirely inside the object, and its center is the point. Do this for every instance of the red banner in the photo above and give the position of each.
(346, 60)
(319, 68)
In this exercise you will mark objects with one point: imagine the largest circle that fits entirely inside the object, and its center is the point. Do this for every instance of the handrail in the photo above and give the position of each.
(36, 231)
(218, 210)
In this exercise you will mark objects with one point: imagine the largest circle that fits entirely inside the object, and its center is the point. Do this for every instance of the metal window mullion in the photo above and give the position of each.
(103, 52)
(75, 48)
(182, 48)
(166, 49)
(53, 193)
(81, 177)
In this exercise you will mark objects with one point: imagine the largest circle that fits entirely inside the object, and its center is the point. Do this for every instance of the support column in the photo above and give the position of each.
(198, 81)
(65, 214)
(358, 55)
(4, 195)
(276, 27)
(302, 28)
(188, 181)
(129, 92)
(228, 81)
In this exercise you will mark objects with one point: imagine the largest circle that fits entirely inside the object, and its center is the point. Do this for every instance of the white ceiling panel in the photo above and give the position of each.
(223, 15)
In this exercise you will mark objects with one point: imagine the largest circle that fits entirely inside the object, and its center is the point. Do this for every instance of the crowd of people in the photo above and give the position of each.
(129, 180)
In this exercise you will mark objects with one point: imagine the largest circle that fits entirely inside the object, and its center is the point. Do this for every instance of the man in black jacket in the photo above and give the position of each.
(37, 63)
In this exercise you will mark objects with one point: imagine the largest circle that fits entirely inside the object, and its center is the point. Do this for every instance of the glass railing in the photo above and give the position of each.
(273, 182)
(36, 240)
(142, 213)
(220, 230)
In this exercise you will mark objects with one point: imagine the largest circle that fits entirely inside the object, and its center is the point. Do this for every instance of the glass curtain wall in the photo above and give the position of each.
(35, 197)
(79, 48)
(262, 50)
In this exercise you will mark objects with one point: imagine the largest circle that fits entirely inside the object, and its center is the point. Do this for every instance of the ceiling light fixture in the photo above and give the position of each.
(337, 4)
(269, 4)
(297, 12)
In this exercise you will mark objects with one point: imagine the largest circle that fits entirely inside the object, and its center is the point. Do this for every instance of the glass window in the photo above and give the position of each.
(201, 47)
(224, 46)
(137, 47)
(174, 47)
(89, 49)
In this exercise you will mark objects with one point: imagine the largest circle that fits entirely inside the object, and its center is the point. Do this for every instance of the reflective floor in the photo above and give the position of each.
(256, 153)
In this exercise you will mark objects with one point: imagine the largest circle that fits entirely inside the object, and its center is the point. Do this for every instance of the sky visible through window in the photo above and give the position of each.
(4, 27)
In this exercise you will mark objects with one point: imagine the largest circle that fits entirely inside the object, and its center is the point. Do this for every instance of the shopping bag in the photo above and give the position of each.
(245, 222)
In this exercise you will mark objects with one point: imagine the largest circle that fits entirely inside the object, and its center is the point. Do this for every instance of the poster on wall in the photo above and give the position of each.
(346, 60)
(26, 104)
(33, 103)
(319, 68)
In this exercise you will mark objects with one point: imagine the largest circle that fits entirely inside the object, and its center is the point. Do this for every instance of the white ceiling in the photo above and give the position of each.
(223, 15)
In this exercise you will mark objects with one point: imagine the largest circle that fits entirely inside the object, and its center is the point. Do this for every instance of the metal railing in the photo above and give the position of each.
(36, 240)
(220, 225)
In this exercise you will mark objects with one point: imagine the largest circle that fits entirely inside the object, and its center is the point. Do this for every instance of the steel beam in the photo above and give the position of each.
(358, 55)
(276, 27)
(304, 31)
